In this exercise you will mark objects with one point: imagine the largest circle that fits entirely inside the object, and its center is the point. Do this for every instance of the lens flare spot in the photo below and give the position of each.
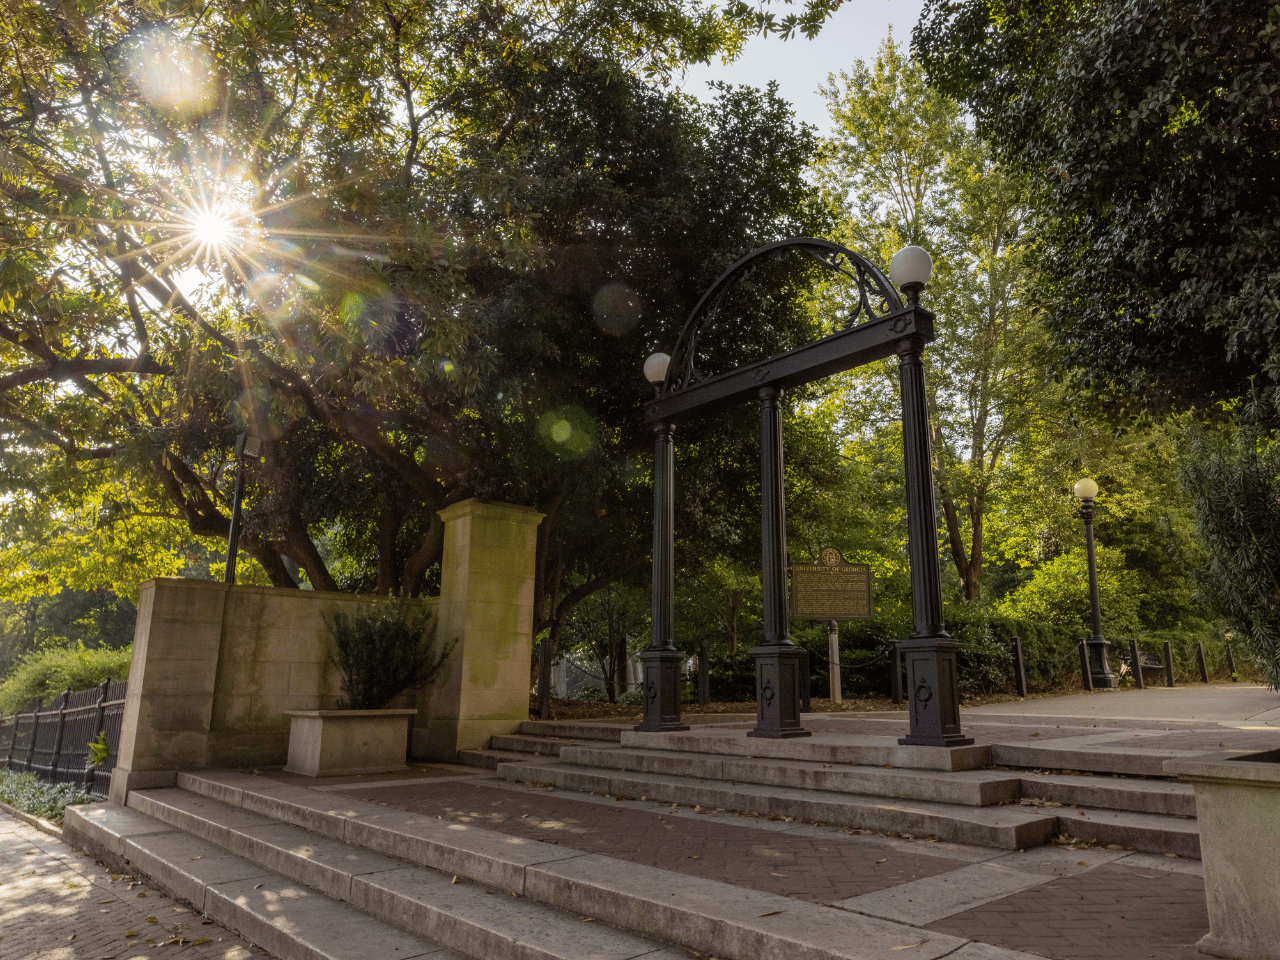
(616, 308)
(569, 432)
(174, 74)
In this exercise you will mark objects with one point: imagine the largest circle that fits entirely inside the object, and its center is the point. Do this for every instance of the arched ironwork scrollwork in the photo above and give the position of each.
(876, 297)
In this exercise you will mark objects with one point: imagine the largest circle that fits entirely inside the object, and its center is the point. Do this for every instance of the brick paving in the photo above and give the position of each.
(818, 869)
(56, 904)
(1108, 913)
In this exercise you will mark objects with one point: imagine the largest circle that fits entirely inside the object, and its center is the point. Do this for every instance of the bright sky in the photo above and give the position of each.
(800, 66)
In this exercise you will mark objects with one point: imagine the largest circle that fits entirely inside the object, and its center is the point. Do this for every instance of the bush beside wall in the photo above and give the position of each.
(47, 672)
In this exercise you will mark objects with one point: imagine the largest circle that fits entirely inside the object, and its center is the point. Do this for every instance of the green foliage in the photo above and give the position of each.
(632, 698)
(1058, 593)
(31, 795)
(49, 671)
(384, 650)
(99, 750)
(903, 168)
(1234, 483)
(96, 618)
(589, 695)
(1149, 127)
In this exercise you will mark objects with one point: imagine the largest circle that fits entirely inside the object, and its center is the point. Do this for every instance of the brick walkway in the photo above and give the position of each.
(1108, 913)
(819, 869)
(56, 904)
(1105, 911)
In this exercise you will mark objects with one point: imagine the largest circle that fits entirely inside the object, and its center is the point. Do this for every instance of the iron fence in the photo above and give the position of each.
(52, 741)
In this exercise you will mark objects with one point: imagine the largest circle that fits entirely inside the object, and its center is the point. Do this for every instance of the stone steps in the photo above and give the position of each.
(1005, 827)
(488, 759)
(399, 868)
(974, 788)
(241, 895)
(1099, 758)
(1168, 797)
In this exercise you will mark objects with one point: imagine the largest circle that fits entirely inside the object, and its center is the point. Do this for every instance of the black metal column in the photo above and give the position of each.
(933, 691)
(661, 662)
(1099, 667)
(778, 660)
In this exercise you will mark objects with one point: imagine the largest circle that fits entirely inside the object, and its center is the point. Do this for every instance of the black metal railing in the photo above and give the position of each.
(52, 741)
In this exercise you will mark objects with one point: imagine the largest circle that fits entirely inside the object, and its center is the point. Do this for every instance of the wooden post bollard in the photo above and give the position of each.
(1085, 675)
(896, 670)
(1231, 663)
(1019, 669)
(1204, 670)
(1168, 665)
(704, 675)
(1135, 657)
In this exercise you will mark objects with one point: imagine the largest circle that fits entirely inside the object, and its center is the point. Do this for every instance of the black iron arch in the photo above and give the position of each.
(876, 296)
(887, 328)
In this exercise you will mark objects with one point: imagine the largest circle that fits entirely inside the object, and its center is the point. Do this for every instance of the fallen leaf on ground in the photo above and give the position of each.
(773, 914)
(882, 861)
(201, 941)
(772, 874)
(130, 933)
(907, 946)
(693, 857)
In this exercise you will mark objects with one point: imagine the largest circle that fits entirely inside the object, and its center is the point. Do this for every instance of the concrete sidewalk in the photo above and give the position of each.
(1242, 705)
(57, 904)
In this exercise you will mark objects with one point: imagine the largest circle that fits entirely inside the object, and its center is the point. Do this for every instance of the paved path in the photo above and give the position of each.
(56, 904)
(1070, 904)
(1052, 901)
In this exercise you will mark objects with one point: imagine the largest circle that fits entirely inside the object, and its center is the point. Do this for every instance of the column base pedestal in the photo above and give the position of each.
(661, 691)
(933, 693)
(778, 692)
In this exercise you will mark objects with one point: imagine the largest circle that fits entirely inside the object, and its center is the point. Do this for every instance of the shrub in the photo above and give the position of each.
(46, 673)
(383, 650)
(1058, 592)
(589, 695)
(1234, 484)
(632, 698)
(31, 795)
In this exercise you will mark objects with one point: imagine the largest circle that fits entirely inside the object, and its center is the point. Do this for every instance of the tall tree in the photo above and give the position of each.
(903, 168)
(412, 247)
(1148, 127)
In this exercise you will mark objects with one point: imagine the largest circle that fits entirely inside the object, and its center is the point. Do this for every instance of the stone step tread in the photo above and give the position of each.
(483, 919)
(1168, 797)
(574, 729)
(1145, 832)
(964, 787)
(731, 922)
(996, 815)
(488, 758)
(243, 896)
(1103, 758)
(823, 748)
(543, 746)
(1004, 827)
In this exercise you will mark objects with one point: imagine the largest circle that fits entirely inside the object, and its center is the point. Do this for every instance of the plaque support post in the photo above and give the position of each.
(833, 661)
(661, 662)
(933, 690)
(778, 660)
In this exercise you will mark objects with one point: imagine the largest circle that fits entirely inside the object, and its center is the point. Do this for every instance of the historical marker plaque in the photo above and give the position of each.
(831, 589)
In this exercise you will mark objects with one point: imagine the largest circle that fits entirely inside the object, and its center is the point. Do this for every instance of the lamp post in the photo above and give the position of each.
(250, 447)
(661, 662)
(933, 691)
(1099, 669)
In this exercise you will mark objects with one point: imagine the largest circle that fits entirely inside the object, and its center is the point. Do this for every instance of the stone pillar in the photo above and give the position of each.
(168, 711)
(486, 610)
